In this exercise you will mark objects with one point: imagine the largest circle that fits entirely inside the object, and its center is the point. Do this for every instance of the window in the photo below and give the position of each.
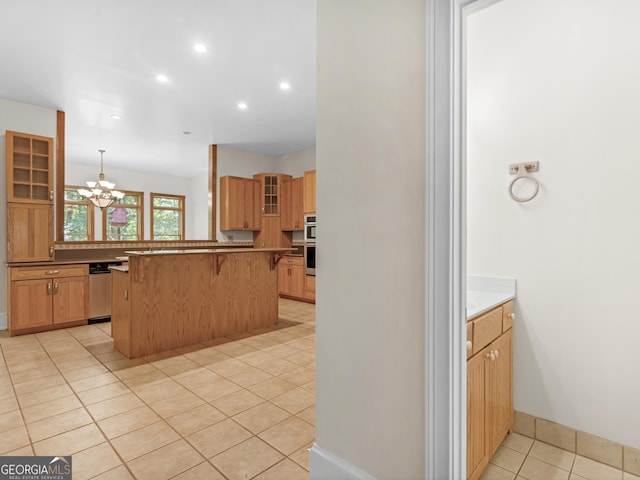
(167, 217)
(78, 216)
(123, 220)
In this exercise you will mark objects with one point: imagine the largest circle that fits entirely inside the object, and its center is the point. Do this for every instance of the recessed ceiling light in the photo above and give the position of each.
(200, 48)
(186, 132)
(284, 86)
(115, 117)
(242, 106)
(162, 78)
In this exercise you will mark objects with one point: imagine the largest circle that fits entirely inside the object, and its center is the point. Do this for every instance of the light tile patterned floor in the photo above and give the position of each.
(520, 458)
(234, 408)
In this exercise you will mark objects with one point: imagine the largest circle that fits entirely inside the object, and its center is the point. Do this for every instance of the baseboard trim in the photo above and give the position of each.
(3, 321)
(326, 466)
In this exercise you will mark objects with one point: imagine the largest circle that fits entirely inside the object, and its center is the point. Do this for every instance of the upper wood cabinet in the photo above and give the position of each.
(310, 191)
(239, 203)
(29, 168)
(292, 200)
(270, 198)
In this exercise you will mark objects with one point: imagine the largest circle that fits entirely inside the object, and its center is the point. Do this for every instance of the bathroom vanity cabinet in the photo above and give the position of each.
(489, 385)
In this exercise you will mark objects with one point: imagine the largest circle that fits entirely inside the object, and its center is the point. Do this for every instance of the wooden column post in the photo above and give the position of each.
(213, 190)
(59, 180)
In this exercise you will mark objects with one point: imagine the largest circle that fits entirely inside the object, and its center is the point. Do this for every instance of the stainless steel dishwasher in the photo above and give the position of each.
(100, 291)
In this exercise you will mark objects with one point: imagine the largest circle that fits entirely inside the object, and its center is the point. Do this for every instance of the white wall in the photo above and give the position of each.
(27, 119)
(557, 81)
(196, 194)
(295, 164)
(370, 145)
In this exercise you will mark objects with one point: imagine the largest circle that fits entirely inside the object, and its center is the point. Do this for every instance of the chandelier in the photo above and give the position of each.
(101, 193)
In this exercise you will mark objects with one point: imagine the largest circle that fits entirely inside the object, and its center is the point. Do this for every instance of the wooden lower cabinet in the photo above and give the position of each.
(310, 287)
(292, 281)
(44, 298)
(489, 395)
(121, 311)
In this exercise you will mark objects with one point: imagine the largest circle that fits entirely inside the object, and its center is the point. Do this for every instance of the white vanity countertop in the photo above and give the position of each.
(485, 293)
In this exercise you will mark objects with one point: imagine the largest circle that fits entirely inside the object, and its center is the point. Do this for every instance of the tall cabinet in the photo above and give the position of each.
(29, 198)
(271, 234)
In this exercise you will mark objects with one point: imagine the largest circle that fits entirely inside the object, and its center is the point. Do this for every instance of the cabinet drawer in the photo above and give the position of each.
(25, 273)
(486, 328)
(286, 260)
(507, 316)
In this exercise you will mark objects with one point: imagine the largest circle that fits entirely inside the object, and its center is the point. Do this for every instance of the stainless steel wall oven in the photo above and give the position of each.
(310, 228)
(310, 258)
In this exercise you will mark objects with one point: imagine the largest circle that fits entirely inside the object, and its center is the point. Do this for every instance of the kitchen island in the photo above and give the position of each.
(166, 299)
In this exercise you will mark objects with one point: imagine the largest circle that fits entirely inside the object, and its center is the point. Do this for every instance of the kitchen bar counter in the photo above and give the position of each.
(169, 299)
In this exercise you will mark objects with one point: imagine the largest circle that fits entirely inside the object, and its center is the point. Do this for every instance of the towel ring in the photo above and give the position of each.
(523, 174)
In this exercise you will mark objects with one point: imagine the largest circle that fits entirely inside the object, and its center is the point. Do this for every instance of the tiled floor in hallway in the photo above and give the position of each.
(520, 458)
(234, 408)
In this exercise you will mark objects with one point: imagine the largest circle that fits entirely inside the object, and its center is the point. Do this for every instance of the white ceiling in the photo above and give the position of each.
(92, 59)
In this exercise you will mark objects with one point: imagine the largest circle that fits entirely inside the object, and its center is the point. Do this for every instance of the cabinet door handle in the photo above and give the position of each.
(51, 251)
(126, 294)
(52, 272)
(469, 346)
(55, 287)
(49, 288)
(512, 316)
(491, 356)
(51, 195)
(496, 354)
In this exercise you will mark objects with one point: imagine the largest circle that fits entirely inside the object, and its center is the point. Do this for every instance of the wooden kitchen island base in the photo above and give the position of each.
(169, 299)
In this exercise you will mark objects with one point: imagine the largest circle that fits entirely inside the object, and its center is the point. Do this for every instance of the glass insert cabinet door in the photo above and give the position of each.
(270, 194)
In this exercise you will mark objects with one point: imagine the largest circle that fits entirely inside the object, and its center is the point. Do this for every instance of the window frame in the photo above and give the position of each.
(91, 219)
(139, 206)
(181, 209)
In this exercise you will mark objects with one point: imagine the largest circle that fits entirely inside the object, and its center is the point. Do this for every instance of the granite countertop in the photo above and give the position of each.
(485, 293)
(64, 262)
(205, 250)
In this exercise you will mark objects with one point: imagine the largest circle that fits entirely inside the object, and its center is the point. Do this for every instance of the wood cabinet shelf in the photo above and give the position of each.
(29, 168)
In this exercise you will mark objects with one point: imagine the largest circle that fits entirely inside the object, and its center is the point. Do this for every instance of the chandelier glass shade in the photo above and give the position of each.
(101, 193)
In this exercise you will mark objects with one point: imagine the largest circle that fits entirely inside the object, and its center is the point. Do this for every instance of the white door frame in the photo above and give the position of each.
(446, 368)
